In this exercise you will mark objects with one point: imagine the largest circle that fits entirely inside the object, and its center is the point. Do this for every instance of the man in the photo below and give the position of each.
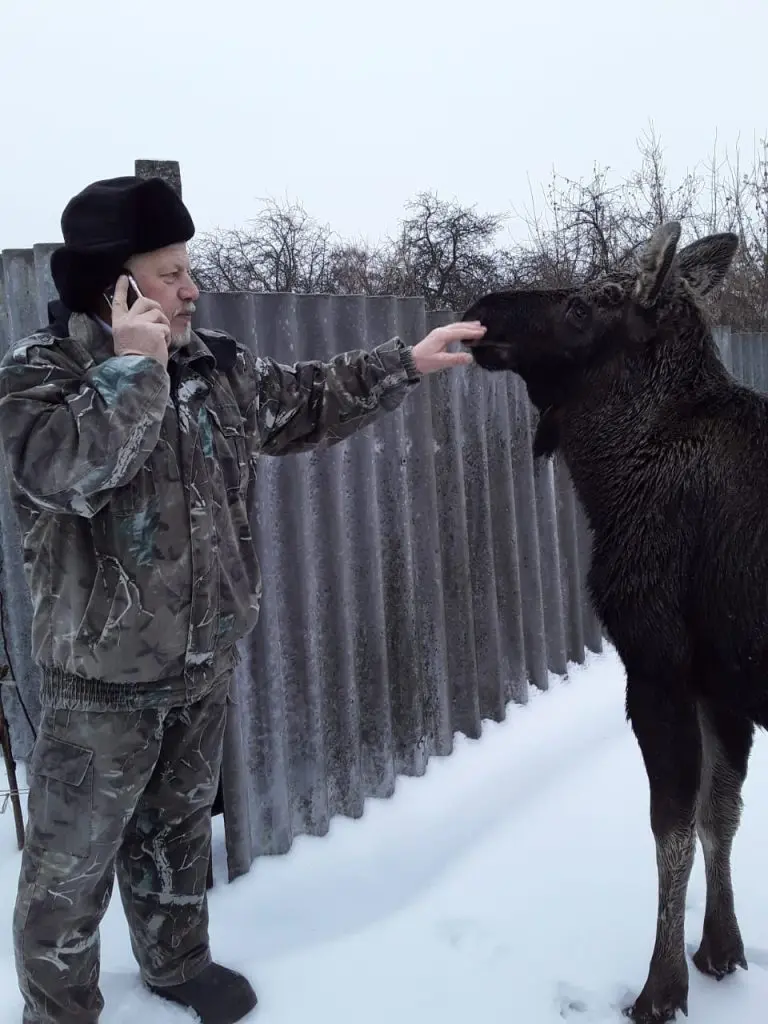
(130, 441)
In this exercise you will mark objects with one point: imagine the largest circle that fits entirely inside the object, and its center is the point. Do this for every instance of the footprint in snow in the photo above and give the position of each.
(467, 935)
(590, 1007)
(572, 1001)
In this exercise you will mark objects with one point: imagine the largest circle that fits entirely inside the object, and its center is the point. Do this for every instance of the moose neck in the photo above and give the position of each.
(615, 430)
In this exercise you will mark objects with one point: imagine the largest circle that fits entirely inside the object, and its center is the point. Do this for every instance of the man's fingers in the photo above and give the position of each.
(120, 298)
(451, 359)
(149, 312)
(143, 305)
(155, 316)
(462, 327)
(468, 332)
(462, 332)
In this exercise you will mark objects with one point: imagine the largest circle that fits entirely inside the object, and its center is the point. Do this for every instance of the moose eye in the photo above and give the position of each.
(579, 311)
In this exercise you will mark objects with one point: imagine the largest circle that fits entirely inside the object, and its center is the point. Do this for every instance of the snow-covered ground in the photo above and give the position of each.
(515, 882)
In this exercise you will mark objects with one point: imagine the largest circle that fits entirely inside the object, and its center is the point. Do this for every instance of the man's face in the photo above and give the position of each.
(164, 277)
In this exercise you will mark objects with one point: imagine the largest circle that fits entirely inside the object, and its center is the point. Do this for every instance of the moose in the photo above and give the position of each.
(668, 454)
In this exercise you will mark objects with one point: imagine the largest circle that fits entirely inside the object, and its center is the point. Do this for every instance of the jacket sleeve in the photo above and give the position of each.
(72, 436)
(317, 404)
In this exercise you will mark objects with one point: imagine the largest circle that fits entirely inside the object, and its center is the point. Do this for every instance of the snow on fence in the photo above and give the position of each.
(417, 578)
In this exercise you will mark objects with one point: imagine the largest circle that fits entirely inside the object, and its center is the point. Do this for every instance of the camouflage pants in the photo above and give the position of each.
(125, 792)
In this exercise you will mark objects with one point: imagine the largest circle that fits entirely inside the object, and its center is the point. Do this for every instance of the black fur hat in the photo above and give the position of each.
(106, 224)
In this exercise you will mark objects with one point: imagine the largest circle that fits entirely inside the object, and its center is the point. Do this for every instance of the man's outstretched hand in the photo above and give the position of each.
(432, 353)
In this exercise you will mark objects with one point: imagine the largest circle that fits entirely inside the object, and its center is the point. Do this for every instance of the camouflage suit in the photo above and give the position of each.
(130, 486)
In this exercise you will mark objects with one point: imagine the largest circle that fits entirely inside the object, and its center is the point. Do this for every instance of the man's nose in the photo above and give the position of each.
(189, 292)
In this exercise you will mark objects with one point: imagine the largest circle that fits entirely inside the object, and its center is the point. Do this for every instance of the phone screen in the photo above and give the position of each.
(133, 292)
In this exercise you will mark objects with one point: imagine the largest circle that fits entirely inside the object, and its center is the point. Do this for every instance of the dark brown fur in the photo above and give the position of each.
(669, 458)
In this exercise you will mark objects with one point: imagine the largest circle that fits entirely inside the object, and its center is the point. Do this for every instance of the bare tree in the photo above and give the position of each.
(357, 268)
(283, 250)
(744, 199)
(449, 253)
(445, 252)
(589, 226)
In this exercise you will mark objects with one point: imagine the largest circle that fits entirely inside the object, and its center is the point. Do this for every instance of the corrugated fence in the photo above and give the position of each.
(417, 578)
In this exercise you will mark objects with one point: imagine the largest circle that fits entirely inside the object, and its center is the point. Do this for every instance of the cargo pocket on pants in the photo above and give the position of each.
(60, 797)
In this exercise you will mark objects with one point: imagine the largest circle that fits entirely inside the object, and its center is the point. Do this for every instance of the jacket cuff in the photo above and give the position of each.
(398, 357)
(406, 358)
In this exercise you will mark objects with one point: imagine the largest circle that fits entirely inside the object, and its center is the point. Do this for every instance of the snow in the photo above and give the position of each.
(516, 881)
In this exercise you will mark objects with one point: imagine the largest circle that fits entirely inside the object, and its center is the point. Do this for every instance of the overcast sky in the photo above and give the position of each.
(352, 108)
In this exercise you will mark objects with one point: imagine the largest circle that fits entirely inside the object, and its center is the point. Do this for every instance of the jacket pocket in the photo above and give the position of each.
(61, 796)
(135, 496)
(230, 452)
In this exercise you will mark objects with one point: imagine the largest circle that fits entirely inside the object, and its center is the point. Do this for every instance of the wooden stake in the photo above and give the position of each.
(10, 767)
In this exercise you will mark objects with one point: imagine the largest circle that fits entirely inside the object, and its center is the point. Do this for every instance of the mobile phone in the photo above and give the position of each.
(133, 291)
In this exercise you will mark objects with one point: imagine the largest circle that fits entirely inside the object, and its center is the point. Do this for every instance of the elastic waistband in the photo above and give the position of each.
(61, 689)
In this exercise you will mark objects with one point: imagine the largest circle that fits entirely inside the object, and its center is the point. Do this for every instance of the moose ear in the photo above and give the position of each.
(705, 263)
(612, 294)
(655, 261)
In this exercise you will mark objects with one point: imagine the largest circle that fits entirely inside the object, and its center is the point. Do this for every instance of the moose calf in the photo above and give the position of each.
(669, 458)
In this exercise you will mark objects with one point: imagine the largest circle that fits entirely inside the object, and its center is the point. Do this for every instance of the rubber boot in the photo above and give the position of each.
(217, 995)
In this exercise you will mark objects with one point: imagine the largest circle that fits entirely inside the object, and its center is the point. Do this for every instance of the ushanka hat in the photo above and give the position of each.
(106, 224)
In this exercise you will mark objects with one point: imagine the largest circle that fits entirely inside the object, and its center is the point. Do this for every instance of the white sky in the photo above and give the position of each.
(352, 108)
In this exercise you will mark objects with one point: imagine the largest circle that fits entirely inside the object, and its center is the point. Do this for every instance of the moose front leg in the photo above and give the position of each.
(665, 723)
(726, 745)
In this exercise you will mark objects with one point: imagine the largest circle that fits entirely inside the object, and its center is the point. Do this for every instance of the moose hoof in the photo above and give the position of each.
(659, 1004)
(641, 1014)
(719, 959)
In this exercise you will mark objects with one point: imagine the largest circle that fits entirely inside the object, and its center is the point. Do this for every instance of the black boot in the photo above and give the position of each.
(217, 995)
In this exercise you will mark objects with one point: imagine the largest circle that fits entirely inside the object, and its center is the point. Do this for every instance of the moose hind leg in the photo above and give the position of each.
(726, 746)
(665, 723)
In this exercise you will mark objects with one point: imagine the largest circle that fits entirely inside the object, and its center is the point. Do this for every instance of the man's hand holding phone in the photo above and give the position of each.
(142, 330)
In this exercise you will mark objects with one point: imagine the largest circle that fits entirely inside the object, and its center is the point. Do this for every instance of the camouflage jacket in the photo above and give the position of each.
(130, 487)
